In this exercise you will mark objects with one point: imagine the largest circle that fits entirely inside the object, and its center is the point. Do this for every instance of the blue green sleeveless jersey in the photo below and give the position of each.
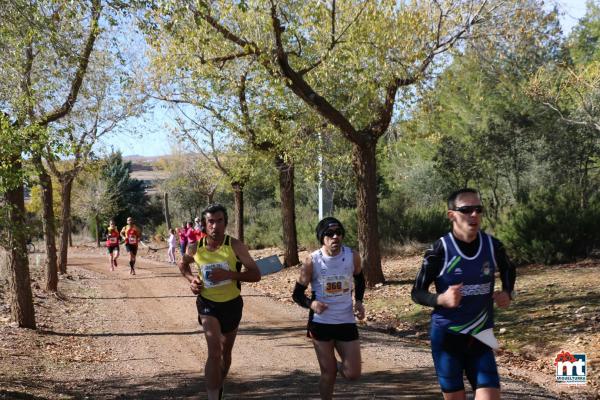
(450, 262)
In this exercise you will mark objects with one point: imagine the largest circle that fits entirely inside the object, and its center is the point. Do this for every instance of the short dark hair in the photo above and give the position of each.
(452, 198)
(214, 208)
(324, 224)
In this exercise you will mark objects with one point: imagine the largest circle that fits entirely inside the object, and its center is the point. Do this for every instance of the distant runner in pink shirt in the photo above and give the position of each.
(182, 233)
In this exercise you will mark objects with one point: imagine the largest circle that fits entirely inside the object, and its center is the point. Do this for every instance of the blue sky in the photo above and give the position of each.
(574, 10)
(153, 139)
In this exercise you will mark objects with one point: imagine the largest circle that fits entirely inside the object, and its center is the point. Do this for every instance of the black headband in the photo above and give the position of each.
(325, 224)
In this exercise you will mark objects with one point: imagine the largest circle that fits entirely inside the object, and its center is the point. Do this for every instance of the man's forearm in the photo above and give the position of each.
(186, 271)
(246, 276)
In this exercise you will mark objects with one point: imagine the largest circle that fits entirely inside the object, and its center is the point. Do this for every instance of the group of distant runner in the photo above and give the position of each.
(187, 237)
(461, 265)
(131, 235)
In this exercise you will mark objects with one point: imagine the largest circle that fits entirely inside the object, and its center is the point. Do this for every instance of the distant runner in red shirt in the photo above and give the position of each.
(199, 229)
(132, 235)
(112, 243)
(192, 241)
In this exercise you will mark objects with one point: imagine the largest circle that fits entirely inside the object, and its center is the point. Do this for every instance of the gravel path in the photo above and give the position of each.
(147, 324)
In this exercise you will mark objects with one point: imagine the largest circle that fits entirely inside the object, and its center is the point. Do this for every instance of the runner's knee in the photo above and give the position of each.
(352, 373)
(328, 375)
(215, 353)
(328, 370)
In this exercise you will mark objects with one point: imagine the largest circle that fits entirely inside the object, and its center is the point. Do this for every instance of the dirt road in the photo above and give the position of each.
(146, 326)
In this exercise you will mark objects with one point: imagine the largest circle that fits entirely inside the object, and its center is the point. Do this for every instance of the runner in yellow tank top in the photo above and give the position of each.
(220, 259)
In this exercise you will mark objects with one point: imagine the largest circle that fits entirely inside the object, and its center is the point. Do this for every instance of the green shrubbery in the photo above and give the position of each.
(401, 223)
(551, 227)
(263, 229)
(161, 232)
(397, 223)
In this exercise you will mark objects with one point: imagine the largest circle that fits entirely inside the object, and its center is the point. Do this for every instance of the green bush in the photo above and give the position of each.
(551, 228)
(264, 229)
(424, 224)
(399, 222)
(161, 232)
(306, 221)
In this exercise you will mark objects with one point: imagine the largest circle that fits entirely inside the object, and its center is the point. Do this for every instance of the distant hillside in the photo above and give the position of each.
(144, 159)
(144, 169)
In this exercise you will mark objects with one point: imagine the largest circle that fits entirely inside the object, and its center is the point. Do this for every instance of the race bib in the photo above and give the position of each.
(112, 240)
(205, 271)
(132, 239)
(335, 285)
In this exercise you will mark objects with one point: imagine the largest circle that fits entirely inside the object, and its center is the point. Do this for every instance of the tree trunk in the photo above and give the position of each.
(49, 225)
(288, 212)
(65, 191)
(365, 169)
(238, 205)
(166, 211)
(97, 220)
(19, 285)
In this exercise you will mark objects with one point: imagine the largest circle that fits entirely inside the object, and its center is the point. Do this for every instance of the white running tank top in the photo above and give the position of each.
(332, 284)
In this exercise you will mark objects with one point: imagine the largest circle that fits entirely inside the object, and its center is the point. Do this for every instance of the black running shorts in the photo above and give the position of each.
(131, 248)
(228, 313)
(110, 249)
(327, 332)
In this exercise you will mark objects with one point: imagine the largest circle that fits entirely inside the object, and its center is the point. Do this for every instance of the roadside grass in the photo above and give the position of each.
(555, 306)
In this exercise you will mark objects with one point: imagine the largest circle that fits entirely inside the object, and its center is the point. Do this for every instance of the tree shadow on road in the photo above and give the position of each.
(416, 384)
(295, 385)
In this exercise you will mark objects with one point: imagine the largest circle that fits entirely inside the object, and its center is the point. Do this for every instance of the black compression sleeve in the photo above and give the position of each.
(359, 286)
(299, 297)
(506, 268)
(431, 267)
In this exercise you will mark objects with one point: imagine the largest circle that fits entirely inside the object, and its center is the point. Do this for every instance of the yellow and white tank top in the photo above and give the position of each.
(224, 258)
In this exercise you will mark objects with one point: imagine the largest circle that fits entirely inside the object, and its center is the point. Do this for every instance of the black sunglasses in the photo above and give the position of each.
(331, 233)
(469, 209)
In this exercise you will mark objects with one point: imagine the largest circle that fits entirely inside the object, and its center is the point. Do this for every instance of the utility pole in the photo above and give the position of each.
(320, 177)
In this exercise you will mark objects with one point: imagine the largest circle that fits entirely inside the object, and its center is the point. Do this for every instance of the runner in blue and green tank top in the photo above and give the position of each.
(462, 265)
(220, 259)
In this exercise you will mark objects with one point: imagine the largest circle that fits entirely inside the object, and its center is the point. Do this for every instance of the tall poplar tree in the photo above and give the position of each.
(44, 54)
(348, 61)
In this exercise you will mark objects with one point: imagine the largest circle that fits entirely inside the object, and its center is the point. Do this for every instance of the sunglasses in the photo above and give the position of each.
(469, 209)
(331, 233)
